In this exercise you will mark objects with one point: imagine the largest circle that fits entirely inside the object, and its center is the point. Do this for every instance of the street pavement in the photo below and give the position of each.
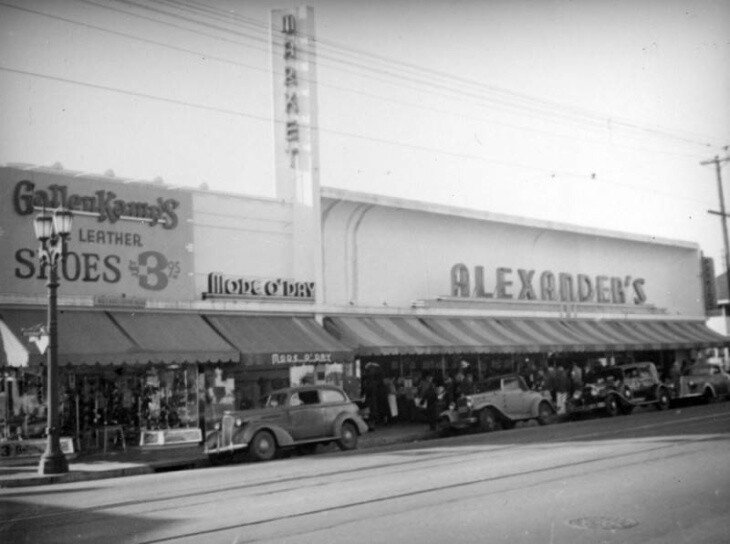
(135, 461)
(652, 477)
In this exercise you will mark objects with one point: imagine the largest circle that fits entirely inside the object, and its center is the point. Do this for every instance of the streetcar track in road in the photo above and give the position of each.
(434, 489)
(411, 464)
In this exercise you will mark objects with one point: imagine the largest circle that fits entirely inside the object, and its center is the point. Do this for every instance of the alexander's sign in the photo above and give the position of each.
(546, 285)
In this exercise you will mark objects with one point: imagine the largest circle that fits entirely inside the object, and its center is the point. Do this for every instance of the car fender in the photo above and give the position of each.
(211, 440)
(362, 427)
(535, 406)
(488, 405)
(247, 432)
(708, 385)
(451, 415)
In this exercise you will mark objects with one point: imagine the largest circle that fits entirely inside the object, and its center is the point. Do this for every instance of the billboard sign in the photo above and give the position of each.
(129, 240)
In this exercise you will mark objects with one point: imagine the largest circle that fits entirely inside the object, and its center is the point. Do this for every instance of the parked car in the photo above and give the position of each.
(706, 381)
(293, 417)
(499, 403)
(619, 389)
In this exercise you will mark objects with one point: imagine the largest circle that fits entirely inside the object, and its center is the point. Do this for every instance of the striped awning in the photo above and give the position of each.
(90, 337)
(433, 335)
(84, 337)
(279, 340)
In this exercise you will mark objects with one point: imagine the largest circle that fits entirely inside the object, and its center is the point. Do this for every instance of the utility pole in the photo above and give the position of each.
(717, 161)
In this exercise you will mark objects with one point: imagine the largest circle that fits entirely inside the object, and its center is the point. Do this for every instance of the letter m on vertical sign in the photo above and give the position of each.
(289, 24)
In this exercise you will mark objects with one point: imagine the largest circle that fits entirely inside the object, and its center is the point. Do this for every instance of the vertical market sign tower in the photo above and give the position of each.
(296, 144)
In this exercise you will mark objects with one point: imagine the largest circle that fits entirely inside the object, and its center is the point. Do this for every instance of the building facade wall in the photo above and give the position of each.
(377, 255)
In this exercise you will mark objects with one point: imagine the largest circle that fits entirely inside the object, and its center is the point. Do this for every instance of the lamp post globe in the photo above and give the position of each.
(52, 233)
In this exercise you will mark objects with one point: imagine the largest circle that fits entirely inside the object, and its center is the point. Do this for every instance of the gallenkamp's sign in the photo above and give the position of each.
(129, 241)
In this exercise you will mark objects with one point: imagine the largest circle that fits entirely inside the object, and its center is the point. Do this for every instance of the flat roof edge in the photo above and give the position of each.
(468, 213)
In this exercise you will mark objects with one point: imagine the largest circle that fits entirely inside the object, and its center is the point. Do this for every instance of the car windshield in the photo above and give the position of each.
(604, 375)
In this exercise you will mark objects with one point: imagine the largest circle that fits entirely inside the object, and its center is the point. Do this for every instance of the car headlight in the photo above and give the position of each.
(239, 422)
(452, 406)
(594, 391)
(469, 403)
(217, 426)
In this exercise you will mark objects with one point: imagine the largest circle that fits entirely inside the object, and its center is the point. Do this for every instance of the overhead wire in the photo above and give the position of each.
(540, 106)
(265, 118)
(219, 14)
(209, 56)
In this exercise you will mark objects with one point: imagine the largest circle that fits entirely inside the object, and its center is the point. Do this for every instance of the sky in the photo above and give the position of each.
(592, 113)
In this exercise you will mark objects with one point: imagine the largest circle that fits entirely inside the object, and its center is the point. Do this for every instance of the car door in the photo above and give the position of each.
(514, 397)
(306, 415)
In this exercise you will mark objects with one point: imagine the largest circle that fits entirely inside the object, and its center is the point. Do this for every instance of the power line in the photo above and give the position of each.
(209, 56)
(572, 114)
(192, 6)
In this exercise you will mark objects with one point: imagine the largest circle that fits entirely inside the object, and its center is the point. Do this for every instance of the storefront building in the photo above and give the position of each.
(177, 304)
(425, 287)
(174, 305)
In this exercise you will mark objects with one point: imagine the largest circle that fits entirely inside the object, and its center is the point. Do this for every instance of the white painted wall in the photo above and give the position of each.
(376, 254)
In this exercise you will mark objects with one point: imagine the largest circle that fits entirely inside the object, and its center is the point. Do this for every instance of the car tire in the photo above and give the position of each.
(708, 396)
(545, 414)
(612, 406)
(488, 420)
(663, 399)
(262, 446)
(348, 436)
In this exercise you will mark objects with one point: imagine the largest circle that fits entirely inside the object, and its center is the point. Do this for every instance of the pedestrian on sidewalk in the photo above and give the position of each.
(429, 400)
(561, 389)
(392, 400)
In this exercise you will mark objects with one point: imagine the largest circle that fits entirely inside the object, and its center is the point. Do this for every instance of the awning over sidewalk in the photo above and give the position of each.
(12, 350)
(432, 335)
(174, 338)
(279, 340)
(388, 335)
(88, 337)
(84, 337)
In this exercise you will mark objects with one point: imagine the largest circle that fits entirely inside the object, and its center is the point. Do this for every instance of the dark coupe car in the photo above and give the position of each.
(294, 417)
(618, 389)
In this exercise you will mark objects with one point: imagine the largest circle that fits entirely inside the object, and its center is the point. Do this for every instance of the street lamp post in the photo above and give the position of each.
(52, 231)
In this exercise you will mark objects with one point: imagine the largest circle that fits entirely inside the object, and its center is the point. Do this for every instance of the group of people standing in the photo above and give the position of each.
(558, 380)
(387, 401)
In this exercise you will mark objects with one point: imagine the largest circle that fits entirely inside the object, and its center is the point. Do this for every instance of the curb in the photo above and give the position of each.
(170, 465)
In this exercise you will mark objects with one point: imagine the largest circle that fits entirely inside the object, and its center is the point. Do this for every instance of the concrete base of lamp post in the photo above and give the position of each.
(53, 464)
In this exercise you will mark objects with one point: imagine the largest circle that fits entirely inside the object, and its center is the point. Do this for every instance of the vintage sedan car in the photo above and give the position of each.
(500, 403)
(704, 381)
(294, 417)
(619, 389)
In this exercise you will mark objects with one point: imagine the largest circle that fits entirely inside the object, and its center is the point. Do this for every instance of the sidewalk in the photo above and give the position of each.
(146, 461)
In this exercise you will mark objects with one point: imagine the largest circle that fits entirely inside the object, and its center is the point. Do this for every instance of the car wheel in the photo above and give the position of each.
(612, 408)
(662, 400)
(545, 414)
(708, 396)
(488, 421)
(348, 436)
(262, 447)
